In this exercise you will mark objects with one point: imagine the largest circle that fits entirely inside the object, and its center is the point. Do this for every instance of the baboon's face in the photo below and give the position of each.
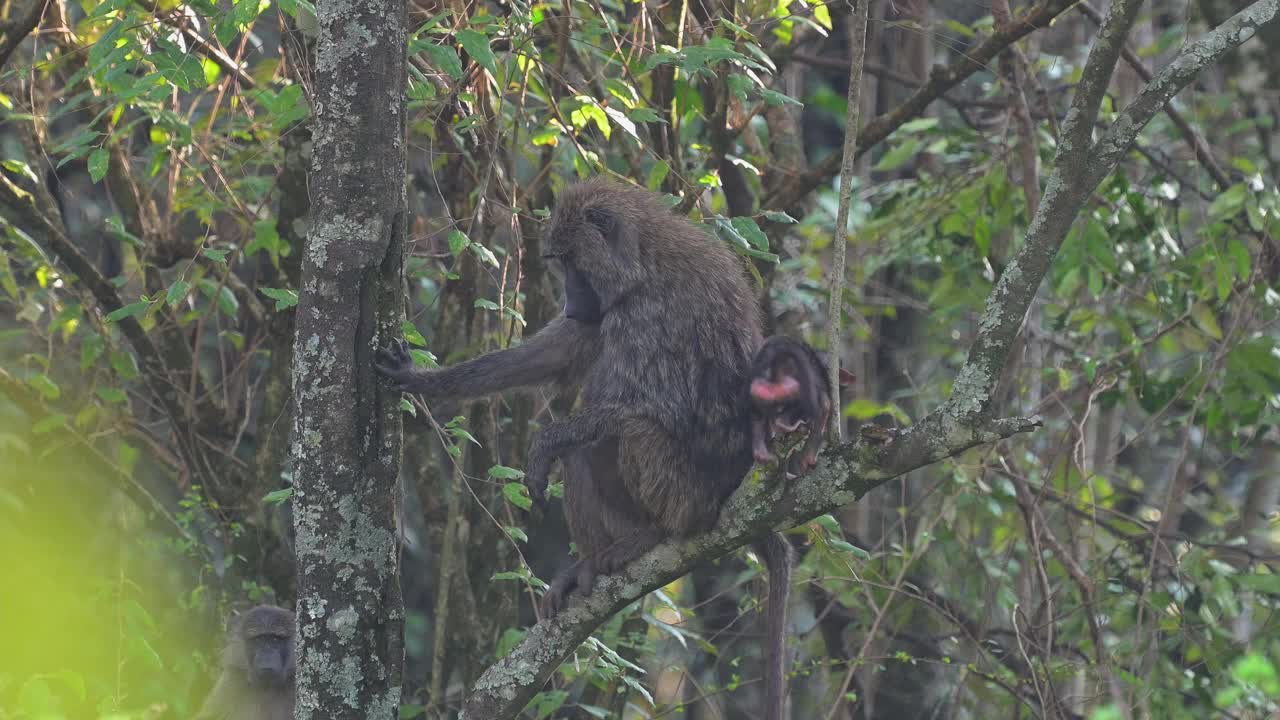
(270, 659)
(571, 246)
(267, 637)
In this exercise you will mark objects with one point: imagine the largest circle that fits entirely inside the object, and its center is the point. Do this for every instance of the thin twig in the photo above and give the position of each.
(857, 50)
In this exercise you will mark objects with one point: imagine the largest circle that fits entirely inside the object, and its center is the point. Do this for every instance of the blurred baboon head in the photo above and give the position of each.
(257, 669)
(261, 644)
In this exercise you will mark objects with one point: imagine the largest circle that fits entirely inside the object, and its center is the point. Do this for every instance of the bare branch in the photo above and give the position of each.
(853, 100)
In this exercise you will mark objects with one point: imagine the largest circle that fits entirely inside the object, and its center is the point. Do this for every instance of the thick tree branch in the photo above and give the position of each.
(847, 472)
(1197, 142)
(844, 474)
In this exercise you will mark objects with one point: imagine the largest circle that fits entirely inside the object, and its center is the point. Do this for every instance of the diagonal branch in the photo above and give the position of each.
(844, 474)
(1082, 115)
(1197, 142)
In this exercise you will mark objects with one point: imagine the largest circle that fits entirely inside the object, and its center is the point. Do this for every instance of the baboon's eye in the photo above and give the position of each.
(604, 221)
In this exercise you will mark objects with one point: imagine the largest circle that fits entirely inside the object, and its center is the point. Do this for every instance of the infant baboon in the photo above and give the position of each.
(790, 387)
(257, 669)
(659, 329)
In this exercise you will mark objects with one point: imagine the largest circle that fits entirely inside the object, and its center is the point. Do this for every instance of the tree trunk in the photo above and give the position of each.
(347, 423)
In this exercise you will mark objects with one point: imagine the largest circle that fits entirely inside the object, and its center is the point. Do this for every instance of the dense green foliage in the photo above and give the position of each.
(1116, 563)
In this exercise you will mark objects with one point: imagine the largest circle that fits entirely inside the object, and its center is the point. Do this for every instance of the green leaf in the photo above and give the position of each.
(177, 292)
(657, 174)
(423, 358)
(982, 235)
(898, 155)
(589, 112)
(458, 241)
(87, 416)
(510, 638)
(445, 58)
(218, 256)
(517, 494)
(99, 160)
(1224, 277)
(918, 125)
(1240, 254)
(284, 298)
(246, 11)
(502, 472)
(130, 310)
(547, 702)
(49, 424)
(958, 27)
(644, 114)
(47, 388)
(844, 546)
(485, 255)
(477, 46)
(91, 349)
(635, 685)
(177, 66)
(1228, 203)
(775, 98)
(266, 238)
(128, 456)
(411, 334)
(516, 534)
(1268, 583)
(227, 302)
(110, 395)
(828, 523)
(746, 226)
(7, 278)
(1204, 318)
(275, 497)
(622, 121)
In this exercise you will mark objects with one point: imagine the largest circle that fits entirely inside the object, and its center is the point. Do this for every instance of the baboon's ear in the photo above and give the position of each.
(604, 221)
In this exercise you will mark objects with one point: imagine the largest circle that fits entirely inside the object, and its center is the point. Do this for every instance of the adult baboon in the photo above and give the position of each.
(257, 669)
(659, 329)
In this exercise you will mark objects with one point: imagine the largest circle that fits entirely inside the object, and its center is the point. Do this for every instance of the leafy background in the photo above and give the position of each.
(1116, 563)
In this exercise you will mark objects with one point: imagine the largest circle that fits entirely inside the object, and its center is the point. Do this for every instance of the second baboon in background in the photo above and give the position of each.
(660, 328)
(257, 680)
